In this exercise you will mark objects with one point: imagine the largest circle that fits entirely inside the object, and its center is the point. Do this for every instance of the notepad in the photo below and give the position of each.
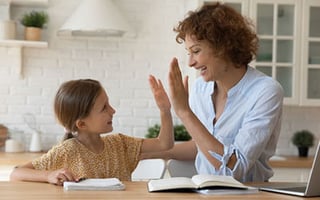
(95, 184)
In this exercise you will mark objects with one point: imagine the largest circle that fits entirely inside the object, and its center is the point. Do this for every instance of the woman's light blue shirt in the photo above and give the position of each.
(249, 125)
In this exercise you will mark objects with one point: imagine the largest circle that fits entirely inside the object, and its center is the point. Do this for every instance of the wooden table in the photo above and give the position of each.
(134, 190)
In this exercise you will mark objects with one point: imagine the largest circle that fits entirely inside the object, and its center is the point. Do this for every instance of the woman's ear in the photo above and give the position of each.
(80, 124)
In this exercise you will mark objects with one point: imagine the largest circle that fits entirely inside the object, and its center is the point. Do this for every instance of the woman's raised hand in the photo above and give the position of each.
(178, 89)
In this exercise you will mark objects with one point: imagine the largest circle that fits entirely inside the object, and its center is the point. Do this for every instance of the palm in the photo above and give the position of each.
(159, 94)
(178, 88)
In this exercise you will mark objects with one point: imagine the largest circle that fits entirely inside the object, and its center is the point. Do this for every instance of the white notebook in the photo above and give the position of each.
(95, 184)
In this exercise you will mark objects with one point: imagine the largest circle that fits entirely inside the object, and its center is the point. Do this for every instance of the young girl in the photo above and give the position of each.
(82, 107)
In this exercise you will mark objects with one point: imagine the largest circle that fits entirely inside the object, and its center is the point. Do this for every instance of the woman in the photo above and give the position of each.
(234, 111)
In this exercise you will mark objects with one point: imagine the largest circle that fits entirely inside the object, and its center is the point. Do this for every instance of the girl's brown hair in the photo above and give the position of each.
(74, 100)
(230, 34)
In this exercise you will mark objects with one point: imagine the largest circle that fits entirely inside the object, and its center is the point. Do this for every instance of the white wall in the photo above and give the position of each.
(122, 66)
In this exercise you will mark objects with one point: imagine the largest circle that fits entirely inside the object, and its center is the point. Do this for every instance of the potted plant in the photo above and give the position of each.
(34, 22)
(180, 132)
(303, 140)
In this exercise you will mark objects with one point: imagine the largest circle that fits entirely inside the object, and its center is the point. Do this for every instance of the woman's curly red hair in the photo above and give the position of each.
(231, 35)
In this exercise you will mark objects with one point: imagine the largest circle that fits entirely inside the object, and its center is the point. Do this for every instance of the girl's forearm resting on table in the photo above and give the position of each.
(28, 174)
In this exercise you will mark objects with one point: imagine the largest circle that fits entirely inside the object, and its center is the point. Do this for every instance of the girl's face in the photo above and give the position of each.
(202, 58)
(100, 117)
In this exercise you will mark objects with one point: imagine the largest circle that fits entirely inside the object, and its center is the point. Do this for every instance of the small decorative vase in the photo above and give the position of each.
(7, 30)
(32, 33)
(303, 151)
(35, 144)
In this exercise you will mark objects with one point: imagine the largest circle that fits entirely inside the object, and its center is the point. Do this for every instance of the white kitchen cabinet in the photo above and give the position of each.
(289, 39)
(278, 27)
(310, 87)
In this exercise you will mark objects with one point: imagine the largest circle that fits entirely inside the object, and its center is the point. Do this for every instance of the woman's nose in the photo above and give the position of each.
(192, 61)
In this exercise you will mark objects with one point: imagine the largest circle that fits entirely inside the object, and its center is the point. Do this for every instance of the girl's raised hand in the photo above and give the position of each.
(159, 94)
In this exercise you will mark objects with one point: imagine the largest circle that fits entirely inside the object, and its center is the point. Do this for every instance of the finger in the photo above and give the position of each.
(186, 84)
(160, 84)
(153, 83)
(172, 72)
(61, 178)
(69, 176)
(175, 69)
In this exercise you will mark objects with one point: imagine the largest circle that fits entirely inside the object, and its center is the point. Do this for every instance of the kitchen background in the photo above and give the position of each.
(122, 65)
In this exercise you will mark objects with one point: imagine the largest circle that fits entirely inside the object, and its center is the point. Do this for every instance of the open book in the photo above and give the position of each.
(95, 184)
(205, 184)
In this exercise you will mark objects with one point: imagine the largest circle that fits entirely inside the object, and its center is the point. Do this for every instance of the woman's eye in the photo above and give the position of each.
(196, 51)
(193, 52)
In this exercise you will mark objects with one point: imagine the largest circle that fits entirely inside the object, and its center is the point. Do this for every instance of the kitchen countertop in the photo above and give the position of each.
(276, 162)
(291, 162)
(17, 158)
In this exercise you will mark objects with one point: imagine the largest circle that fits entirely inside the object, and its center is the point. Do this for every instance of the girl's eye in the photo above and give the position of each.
(104, 108)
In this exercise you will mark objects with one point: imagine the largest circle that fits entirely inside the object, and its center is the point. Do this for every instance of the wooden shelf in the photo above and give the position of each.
(37, 3)
(23, 43)
(15, 46)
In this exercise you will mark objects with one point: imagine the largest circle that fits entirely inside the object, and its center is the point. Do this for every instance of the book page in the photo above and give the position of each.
(171, 183)
(95, 184)
(205, 180)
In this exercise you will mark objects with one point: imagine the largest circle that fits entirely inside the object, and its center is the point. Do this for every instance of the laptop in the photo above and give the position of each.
(309, 189)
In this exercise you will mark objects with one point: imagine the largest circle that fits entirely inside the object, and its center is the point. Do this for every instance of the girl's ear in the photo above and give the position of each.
(80, 124)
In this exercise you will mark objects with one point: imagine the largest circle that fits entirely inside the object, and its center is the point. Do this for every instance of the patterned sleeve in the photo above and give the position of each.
(52, 160)
(132, 149)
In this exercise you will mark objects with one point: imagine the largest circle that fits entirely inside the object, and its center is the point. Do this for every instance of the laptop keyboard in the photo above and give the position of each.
(295, 189)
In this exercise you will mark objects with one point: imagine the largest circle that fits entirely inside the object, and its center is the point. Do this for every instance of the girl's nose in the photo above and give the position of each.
(112, 110)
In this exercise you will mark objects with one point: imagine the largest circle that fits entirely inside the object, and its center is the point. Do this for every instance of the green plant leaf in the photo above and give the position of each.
(180, 132)
(36, 19)
(303, 138)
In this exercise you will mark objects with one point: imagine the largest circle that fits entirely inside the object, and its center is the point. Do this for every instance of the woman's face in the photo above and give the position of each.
(202, 58)
(100, 117)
